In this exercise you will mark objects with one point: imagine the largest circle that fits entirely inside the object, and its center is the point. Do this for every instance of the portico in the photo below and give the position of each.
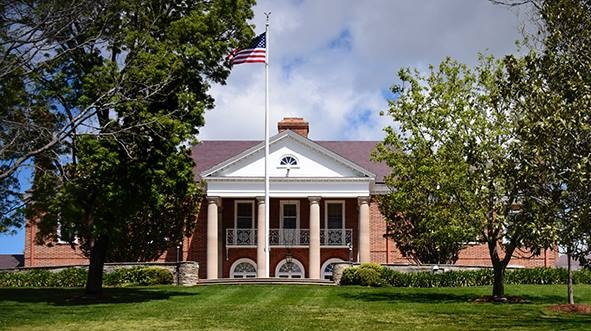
(309, 231)
(319, 210)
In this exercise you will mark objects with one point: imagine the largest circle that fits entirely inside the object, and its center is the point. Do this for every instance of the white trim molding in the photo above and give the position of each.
(295, 262)
(288, 187)
(288, 134)
(243, 260)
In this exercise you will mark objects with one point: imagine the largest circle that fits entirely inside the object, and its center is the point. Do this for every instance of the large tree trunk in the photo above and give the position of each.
(98, 253)
(569, 282)
(499, 282)
(499, 266)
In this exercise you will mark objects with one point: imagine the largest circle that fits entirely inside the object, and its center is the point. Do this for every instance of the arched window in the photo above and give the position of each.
(328, 266)
(291, 269)
(288, 161)
(243, 268)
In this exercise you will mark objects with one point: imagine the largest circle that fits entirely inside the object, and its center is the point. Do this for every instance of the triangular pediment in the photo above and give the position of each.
(313, 161)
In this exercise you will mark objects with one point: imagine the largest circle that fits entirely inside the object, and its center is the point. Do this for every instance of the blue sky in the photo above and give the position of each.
(333, 62)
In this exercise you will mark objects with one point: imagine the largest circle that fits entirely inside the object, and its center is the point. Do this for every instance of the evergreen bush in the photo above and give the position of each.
(142, 276)
(370, 274)
(376, 275)
(76, 277)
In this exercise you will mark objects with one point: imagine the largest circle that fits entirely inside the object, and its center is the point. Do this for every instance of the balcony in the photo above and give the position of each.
(289, 237)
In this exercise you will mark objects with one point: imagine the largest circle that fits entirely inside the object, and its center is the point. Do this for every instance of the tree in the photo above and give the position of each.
(120, 208)
(70, 64)
(553, 87)
(424, 216)
(123, 91)
(10, 205)
(457, 166)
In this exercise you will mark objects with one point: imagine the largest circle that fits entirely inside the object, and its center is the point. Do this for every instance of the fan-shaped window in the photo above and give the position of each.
(243, 268)
(288, 161)
(289, 269)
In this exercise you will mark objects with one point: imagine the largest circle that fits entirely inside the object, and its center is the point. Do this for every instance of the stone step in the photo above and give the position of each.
(274, 281)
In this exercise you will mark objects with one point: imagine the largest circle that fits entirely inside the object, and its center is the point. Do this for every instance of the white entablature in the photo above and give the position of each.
(298, 167)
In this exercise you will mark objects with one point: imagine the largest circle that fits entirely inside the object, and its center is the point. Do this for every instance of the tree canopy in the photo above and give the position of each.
(426, 217)
(553, 91)
(73, 68)
(458, 171)
(113, 93)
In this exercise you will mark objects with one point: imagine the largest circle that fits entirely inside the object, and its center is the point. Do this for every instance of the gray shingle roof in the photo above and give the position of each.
(209, 153)
(11, 261)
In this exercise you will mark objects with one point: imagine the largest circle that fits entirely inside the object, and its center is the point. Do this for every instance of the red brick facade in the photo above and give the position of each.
(40, 255)
(194, 248)
(385, 251)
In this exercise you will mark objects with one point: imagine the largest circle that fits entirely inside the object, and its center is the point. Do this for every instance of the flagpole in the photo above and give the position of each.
(267, 200)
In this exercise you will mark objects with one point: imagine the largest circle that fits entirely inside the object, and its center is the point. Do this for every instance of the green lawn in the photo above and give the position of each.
(289, 307)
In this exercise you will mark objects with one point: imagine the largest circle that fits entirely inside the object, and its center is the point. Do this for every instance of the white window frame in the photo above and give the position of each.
(326, 203)
(288, 166)
(294, 261)
(289, 202)
(239, 261)
(323, 273)
(252, 221)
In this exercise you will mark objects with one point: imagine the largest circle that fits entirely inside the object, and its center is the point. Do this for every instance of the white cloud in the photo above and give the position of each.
(331, 61)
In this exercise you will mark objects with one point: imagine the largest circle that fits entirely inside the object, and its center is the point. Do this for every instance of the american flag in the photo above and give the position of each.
(256, 52)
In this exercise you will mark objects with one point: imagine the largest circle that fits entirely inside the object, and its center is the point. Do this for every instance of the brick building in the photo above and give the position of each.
(322, 210)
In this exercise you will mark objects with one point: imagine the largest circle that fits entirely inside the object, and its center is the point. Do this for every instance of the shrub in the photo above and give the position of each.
(76, 277)
(142, 276)
(582, 276)
(32, 278)
(350, 277)
(536, 276)
(367, 275)
(394, 278)
(370, 274)
(153, 276)
(70, 277)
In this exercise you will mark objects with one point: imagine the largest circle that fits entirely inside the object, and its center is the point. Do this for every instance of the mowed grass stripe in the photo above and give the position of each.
(289, 307)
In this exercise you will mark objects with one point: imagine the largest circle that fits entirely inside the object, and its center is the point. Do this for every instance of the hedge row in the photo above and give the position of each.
(371, 274)
(76, 277)
(142, 276)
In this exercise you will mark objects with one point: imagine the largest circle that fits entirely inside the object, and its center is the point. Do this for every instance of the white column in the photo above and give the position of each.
(212, 237)
(314, 250)
(364, 250)
(261, 242)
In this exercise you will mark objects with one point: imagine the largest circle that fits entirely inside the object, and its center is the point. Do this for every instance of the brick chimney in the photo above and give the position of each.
(295, 124)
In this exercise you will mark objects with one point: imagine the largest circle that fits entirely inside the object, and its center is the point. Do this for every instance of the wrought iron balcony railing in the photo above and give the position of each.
(289, 237)
(336, 237)
(241, 237)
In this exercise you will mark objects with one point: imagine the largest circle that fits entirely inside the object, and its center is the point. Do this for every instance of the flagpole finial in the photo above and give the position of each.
(267, 14)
